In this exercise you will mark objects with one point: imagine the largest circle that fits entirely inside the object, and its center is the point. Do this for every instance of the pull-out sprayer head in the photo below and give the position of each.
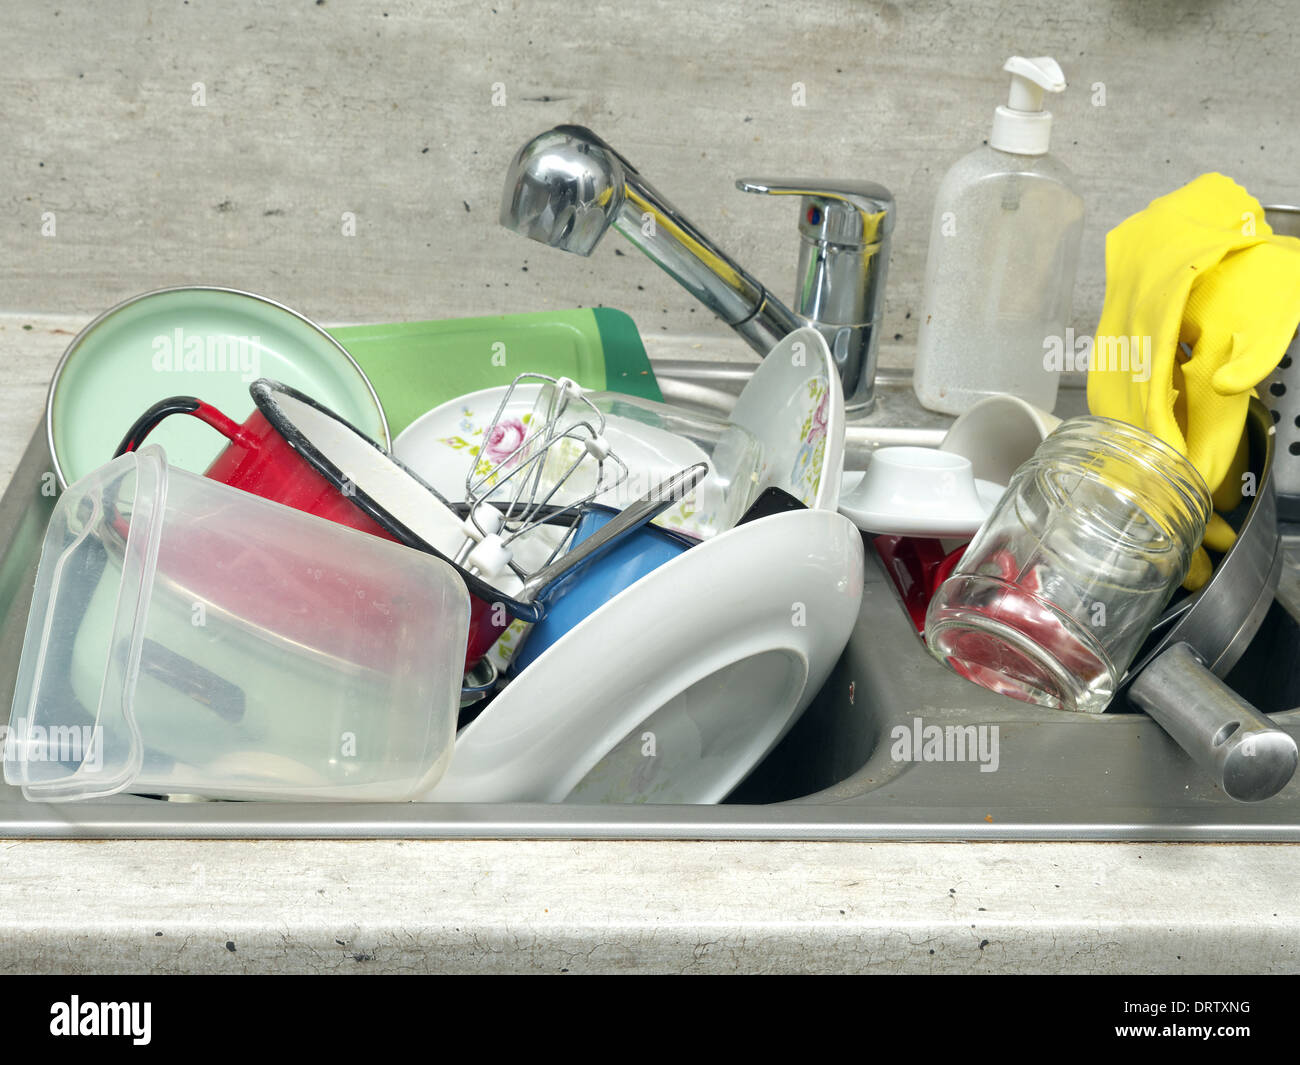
(564, 189)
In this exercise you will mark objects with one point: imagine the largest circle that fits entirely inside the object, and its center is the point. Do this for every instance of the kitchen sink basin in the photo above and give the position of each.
(893, 746)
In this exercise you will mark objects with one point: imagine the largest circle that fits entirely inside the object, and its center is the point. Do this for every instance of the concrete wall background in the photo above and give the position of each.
(384, 108)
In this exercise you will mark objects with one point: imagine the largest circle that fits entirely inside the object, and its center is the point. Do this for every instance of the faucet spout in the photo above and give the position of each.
(567, 187)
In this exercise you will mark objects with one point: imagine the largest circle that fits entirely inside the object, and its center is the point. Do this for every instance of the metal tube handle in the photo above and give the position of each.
(857, 213)
(1248, 757)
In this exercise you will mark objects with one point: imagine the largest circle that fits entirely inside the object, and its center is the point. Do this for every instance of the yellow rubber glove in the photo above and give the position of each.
(1202, 267)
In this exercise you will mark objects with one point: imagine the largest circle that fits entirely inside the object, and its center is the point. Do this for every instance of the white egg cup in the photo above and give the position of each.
(918, 491)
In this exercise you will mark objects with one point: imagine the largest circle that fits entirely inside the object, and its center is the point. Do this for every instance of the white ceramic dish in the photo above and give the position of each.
(675, 689)
(793, 406)
(916, 491)
(999, 434)
(441, 445)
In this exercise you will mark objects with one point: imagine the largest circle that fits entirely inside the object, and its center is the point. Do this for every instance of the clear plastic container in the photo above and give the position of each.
(1057, 592)
(189, 638)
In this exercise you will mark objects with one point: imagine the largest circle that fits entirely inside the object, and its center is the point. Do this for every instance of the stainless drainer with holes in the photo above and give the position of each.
(1281, 391)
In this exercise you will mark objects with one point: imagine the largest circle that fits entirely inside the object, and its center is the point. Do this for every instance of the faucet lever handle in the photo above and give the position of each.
(857, 213)
(844, 231)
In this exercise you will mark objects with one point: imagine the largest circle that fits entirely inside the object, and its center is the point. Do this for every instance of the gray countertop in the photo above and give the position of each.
(667, 907)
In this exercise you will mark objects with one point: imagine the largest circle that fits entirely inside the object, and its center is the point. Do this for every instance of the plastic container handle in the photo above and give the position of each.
(164, 408)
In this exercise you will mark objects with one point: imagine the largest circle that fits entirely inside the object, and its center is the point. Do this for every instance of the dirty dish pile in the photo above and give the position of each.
(677, 664)
(288, 611)
(785, 434)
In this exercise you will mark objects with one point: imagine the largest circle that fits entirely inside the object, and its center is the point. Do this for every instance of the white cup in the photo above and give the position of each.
(998, 435)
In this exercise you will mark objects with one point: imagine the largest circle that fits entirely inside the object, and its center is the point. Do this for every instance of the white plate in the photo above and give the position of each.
(675, 689)
(794, 405)
(441, 446)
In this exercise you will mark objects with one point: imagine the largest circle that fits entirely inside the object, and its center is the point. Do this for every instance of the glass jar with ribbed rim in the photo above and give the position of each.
(1054, 597)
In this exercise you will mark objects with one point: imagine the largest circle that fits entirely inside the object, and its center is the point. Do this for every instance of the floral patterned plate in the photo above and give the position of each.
(795, 406)
(446, 443)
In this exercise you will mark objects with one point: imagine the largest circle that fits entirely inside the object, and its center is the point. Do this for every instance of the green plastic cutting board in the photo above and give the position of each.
(416, 366)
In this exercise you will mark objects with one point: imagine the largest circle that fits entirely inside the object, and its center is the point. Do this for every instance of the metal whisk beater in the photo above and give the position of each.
(561, 464)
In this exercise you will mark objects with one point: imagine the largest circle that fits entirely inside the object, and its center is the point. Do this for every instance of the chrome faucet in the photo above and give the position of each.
(567, 186)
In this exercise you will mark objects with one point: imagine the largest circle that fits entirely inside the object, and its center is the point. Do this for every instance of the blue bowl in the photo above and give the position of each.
(637, 554)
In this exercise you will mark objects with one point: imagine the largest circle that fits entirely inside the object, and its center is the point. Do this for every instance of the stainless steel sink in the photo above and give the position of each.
(843, 772)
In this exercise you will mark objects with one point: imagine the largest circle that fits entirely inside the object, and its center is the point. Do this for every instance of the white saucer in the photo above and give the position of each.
(675, 689)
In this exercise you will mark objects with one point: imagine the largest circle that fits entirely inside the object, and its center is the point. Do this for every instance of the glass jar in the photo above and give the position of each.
(1057, 592)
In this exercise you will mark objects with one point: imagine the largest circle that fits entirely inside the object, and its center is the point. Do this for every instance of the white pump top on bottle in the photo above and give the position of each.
(1022, 127)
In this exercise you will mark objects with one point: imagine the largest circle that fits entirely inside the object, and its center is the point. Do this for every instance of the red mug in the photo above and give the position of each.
(261, 461)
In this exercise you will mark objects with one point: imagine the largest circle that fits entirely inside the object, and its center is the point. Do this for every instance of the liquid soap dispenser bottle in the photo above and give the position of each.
(1004, 244)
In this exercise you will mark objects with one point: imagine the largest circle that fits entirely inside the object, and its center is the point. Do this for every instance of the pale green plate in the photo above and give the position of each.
(133, 355)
